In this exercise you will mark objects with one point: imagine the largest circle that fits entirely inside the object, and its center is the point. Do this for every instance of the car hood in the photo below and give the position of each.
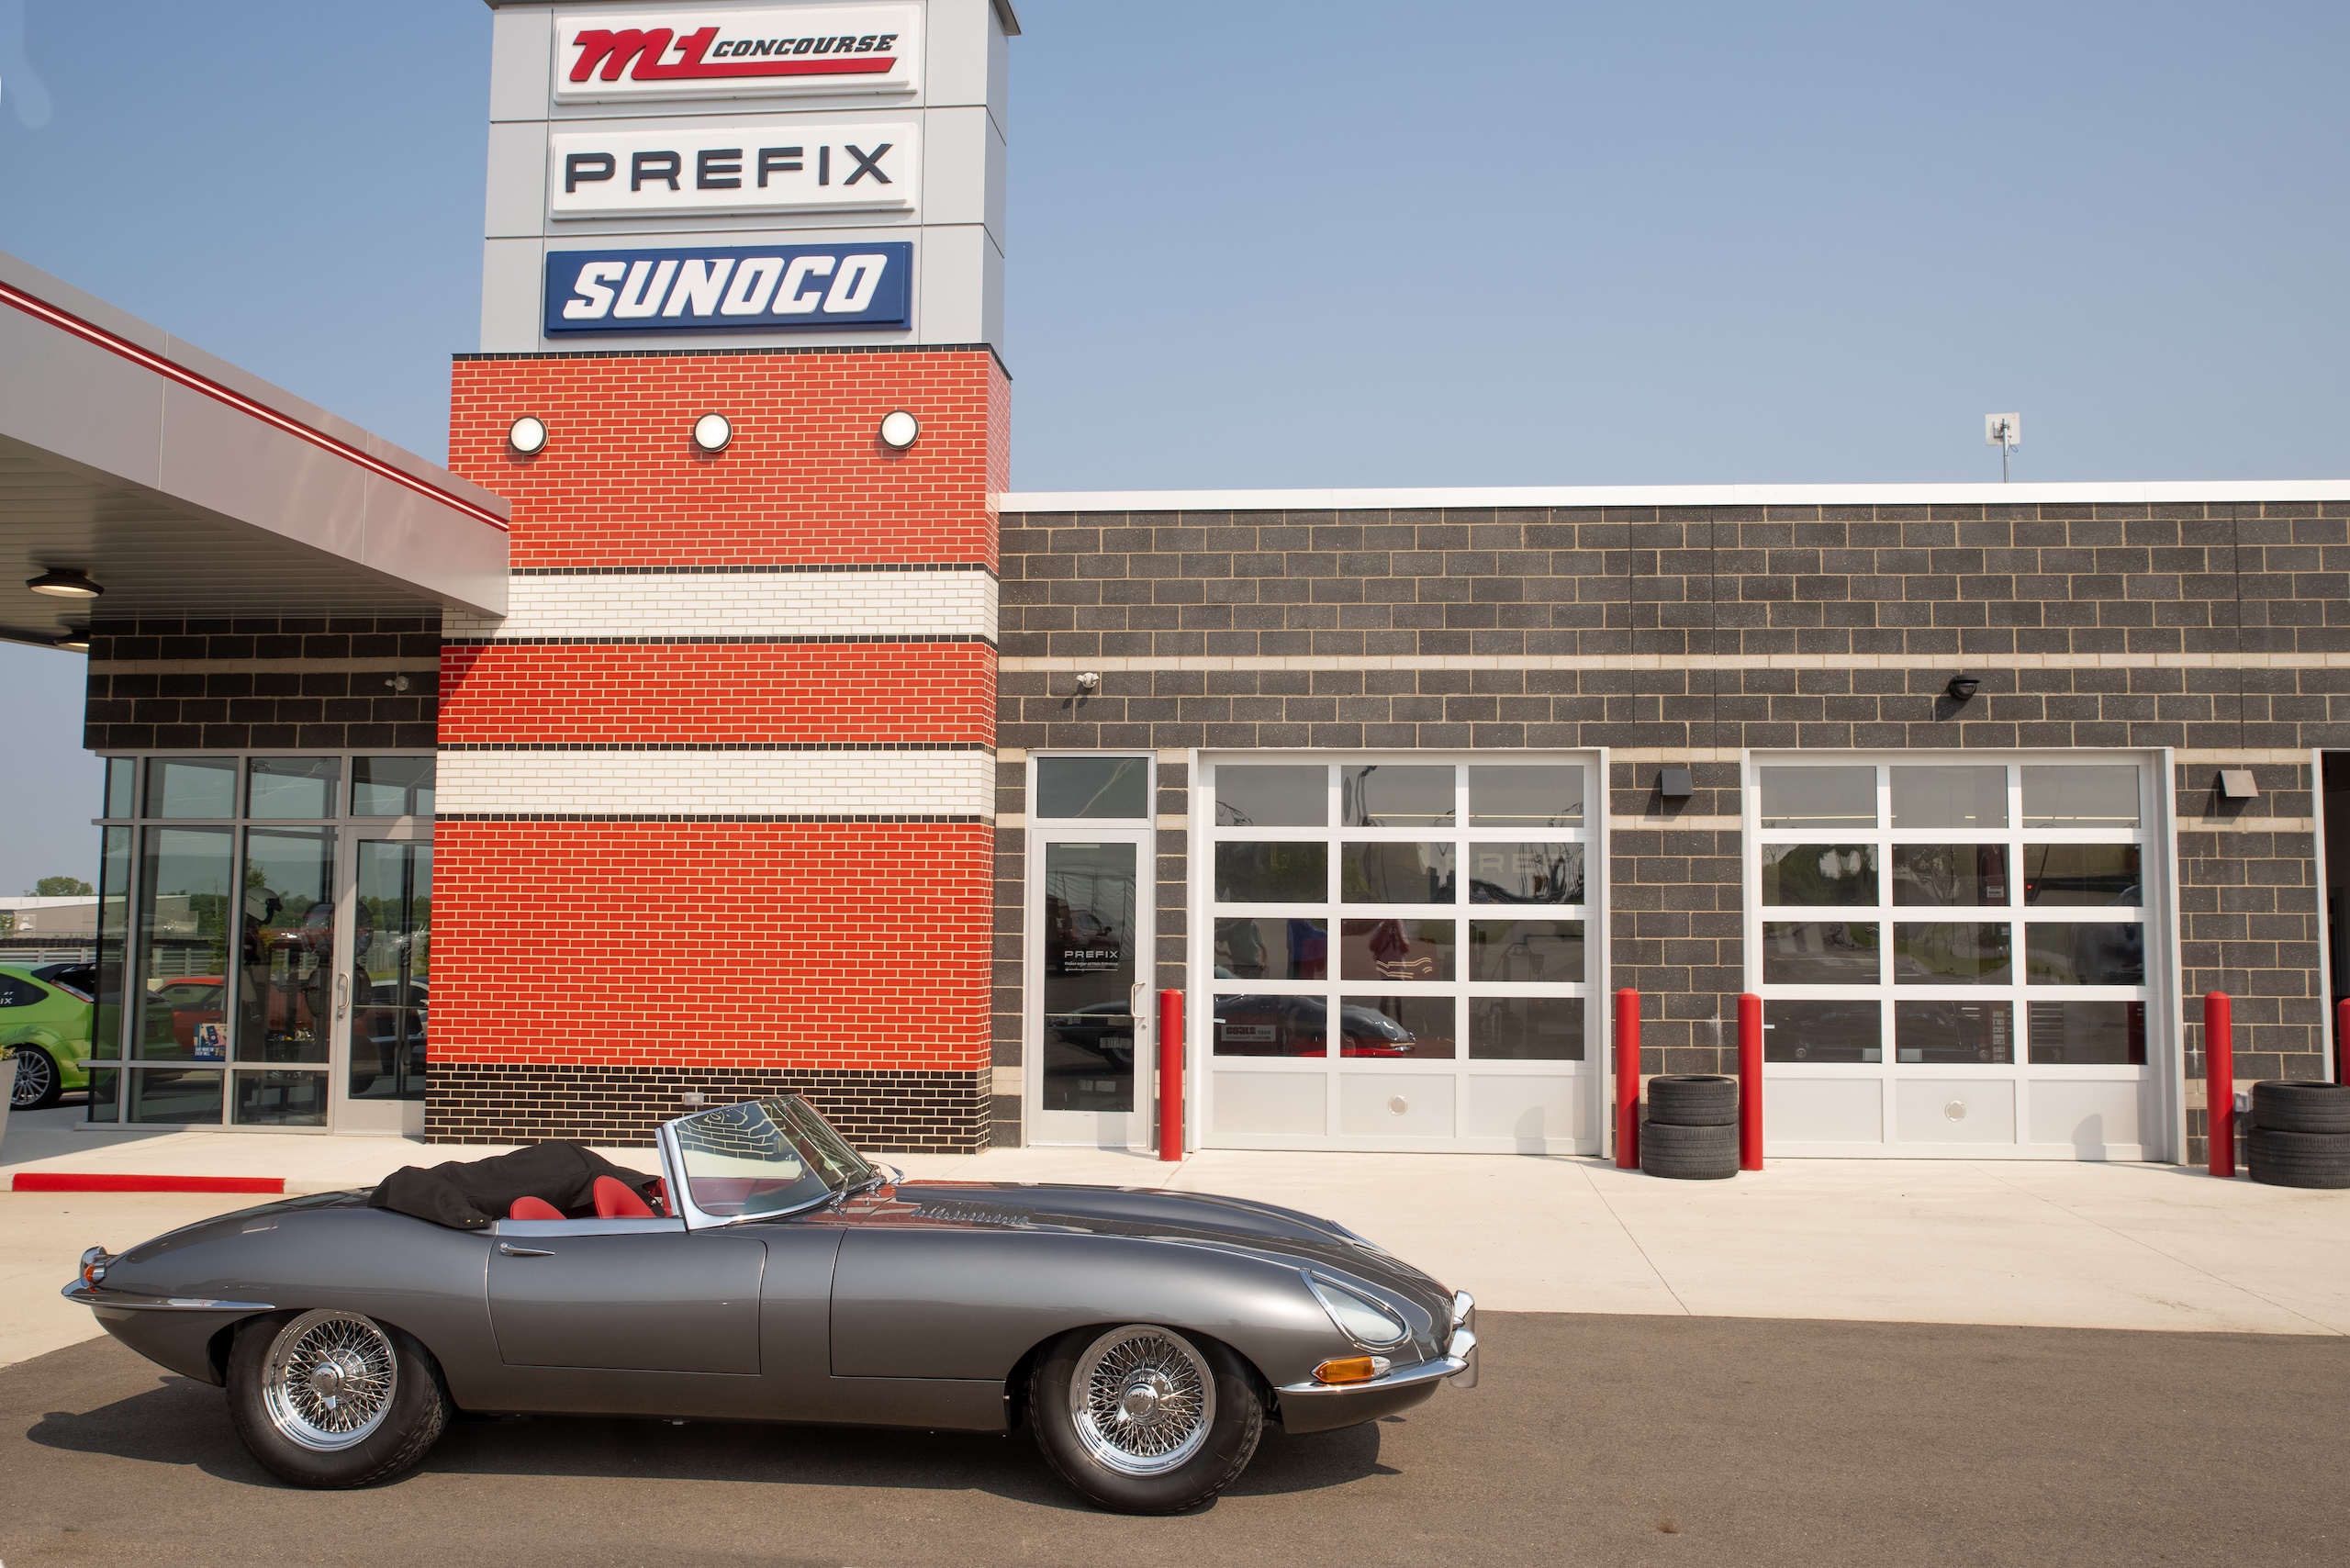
(1197, 1218)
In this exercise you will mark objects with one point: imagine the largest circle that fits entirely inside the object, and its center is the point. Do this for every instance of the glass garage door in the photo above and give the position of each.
(1955, 958)
(1398, 953)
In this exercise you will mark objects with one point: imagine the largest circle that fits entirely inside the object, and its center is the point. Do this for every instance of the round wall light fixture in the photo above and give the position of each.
(1963, 688)
(527, 435)
(711, 432)
(900, 429)
(75, 640)
(65, 583)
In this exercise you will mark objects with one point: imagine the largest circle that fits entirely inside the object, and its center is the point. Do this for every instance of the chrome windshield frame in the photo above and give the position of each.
(681, 1201)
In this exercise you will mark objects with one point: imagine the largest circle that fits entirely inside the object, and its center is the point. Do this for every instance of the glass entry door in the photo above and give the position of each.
(386, 983)
(1089, 1075)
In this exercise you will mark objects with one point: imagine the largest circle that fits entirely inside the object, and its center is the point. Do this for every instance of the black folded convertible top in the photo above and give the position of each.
(468, 1193)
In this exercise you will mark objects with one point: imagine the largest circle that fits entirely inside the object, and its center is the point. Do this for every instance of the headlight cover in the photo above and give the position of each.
(1359, 1317)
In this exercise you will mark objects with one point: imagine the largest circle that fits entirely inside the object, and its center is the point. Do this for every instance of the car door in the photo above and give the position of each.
(630, 1295)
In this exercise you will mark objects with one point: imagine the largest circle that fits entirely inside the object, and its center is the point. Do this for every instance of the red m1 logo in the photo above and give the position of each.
(845, 55)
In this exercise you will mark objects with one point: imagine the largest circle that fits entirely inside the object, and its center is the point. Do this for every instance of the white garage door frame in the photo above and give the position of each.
(2081, 1095)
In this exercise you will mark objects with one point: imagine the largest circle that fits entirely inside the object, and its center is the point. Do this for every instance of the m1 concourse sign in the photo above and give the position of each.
(859, 48)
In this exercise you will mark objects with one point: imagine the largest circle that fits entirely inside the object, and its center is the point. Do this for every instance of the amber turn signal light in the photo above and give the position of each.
(1353, 1369)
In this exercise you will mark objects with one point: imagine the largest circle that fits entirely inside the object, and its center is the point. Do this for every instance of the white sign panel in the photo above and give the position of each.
(685, 53)
(778, 167)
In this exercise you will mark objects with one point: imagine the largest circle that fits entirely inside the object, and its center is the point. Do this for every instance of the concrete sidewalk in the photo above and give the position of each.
(2051, 1245)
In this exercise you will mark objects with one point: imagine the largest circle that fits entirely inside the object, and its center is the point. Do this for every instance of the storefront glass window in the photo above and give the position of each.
(391, 785)
(292, 786)
(199, 788)
(1093, 786)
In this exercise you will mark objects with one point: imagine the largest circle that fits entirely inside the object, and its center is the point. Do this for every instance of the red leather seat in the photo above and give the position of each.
(533, 1208)
(616, 1199)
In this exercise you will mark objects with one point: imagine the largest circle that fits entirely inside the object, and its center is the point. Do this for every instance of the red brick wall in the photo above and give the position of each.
(931, 692)
(806, 479)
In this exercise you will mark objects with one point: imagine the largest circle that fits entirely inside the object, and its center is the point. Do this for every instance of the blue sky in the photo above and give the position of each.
(1347, 244)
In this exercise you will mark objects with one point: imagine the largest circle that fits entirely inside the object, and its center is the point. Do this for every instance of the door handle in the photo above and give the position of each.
(514, 1252)
(342, 995)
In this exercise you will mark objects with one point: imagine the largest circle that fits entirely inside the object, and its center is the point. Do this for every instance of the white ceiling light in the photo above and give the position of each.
(76, 640)
(711, 432)
(65, 583)
(899, 429)
(527, 435)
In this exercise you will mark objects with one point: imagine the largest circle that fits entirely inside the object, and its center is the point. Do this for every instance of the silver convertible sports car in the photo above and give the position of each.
(771, 1274)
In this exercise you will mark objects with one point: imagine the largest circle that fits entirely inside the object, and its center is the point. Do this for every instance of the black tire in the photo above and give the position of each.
(2297, 1159)
(413, 1420)
(1694, 1099)
(2285, 1106)
(1689, 1154)
(37, 1082)
(1233, 1423)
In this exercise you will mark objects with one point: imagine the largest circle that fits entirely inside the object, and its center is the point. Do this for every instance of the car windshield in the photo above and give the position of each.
(763, 1157)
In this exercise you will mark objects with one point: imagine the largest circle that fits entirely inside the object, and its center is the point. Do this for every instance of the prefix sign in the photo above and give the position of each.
(776, 167)
(683, 53)
(757, 288)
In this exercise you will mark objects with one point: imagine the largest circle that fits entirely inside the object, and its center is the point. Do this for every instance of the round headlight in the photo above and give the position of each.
(711, 432)
(527, 435)
(1359, 1317)
(900, 429)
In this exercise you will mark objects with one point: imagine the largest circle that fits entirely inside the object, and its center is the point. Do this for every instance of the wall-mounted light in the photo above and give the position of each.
(65, 583)
(527, 435)
(711, 432)
(75, 640)
(2235, 784)
(1089, 683)
(899, 430)
(1675, 784)
(1963, 688)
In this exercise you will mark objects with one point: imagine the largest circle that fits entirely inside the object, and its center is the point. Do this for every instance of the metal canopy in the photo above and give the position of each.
(188, 489)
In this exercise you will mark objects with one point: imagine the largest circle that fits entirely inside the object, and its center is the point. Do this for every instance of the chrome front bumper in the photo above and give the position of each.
(91, 1295)
(1322, 1406)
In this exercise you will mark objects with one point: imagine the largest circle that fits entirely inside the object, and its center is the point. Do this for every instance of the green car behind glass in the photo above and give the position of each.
(45, 1015)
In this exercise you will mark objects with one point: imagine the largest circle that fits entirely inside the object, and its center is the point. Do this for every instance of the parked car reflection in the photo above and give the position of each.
(1259, 1025)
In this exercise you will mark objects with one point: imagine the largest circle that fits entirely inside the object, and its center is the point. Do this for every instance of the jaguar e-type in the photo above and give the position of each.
(772, 1273)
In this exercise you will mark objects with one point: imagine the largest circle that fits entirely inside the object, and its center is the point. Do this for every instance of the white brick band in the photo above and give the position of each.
(735, 604)
(853, 783)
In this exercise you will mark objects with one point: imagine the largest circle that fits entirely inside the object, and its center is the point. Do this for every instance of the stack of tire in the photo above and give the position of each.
(2299, 1135)
(1692, 1130)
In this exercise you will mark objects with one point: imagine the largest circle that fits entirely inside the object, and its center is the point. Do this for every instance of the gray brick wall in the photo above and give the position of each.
(320, 685)
(1625, 624)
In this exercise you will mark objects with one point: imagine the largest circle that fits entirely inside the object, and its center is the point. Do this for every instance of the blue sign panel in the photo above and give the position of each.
(739, 288)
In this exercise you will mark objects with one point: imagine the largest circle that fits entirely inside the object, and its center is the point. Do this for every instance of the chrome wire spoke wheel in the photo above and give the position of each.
(1142, 1400)
(329, 1381)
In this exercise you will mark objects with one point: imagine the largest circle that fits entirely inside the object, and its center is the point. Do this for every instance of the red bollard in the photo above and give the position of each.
(2220, 1081)
(2342, 1041)
(1628, 1080)
(1750, 1082)
(1171, 1075)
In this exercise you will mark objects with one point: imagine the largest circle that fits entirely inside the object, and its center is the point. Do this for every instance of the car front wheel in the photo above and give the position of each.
(1146, 1420)
(38, 1081)
(331, 1399)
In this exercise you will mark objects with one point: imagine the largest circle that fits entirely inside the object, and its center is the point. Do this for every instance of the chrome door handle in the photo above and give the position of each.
(342, 995)
(514, 1252)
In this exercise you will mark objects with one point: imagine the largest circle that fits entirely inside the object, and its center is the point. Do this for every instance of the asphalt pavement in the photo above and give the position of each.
(1595, 1439)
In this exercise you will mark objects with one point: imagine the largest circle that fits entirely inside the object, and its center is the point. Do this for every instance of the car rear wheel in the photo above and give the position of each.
(331, 1399)
(37, 1081)
(1145, 1420)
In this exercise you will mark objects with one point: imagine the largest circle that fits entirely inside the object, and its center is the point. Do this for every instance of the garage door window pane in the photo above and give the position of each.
(1950, 799)
(2077, 876)
(1526, 1028)
(1953, 1033)
(1386, 795)
(1396, 873)
(1395, 949)
(1804, 1030)
(1951, 876)
(1271, 873)
(1272, 796)
(1526, 873)
(1267, 948)
(1952, 952)
(2086, 953)
(1414, 1028)
(1252, 1025)
(1820, 952)
(1819, 797)
(2080, 796)
(1819, 876)
(1093, 786)
(1542, 952)
(1525, 797)
(2094, 1034)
